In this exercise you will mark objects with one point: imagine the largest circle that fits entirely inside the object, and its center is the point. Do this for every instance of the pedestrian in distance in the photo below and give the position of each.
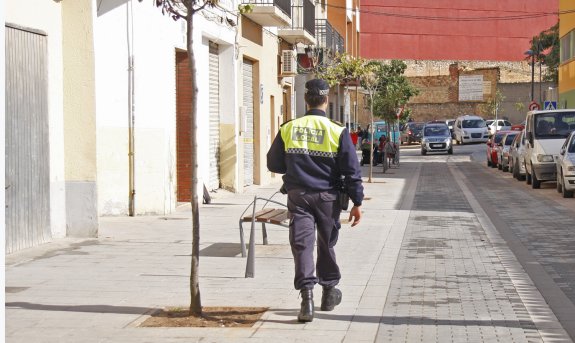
(354, 137)
(320, 167)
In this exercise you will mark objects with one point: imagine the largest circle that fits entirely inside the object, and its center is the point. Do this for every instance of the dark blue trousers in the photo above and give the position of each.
(308, 211)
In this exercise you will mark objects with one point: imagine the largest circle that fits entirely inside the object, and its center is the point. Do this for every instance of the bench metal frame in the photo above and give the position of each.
(266, 215)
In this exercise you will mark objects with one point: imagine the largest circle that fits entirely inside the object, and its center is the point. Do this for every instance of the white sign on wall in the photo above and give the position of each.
(471, 88)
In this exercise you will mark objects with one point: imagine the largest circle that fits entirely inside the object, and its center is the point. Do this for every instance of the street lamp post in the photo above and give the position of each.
(532, 54)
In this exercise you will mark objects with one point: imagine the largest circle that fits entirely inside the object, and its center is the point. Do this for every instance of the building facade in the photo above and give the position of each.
(108, 132)
(453, 30)
(144, 95)
(567, 55)
(50, 110)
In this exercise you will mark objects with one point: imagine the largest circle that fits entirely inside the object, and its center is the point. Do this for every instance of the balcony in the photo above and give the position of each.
(270, 12)
(302, 29)
(328, 39)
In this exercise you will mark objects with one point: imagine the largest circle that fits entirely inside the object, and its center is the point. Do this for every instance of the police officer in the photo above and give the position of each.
(315, 154)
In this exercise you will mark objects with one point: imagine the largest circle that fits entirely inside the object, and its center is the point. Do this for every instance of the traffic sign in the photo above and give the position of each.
(534, 106)
(550, 105)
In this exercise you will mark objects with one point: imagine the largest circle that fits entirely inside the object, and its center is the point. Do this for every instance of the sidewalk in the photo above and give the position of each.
(412, 271)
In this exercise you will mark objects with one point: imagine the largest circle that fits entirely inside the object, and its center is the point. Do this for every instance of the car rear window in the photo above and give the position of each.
(509, 139)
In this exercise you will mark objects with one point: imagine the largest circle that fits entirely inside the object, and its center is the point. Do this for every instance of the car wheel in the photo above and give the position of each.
(527, 177)
(559, 179)
(515, 170)
(535, 184)
(423, 152)
(499, 165)
(488, 163)
(450, 151)
(566, 193)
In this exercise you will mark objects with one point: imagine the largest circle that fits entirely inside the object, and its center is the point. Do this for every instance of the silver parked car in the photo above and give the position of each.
(436, 138)
(517, 157)
(566, 167)
(503, 150)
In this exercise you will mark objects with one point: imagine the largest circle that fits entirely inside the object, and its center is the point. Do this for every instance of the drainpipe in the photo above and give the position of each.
(131, 107)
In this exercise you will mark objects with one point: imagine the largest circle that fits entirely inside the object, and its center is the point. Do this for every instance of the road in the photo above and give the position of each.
(466, 199)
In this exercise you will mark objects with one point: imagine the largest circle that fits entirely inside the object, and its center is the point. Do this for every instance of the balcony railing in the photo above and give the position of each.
(302, 28)
(269, 12)
(283, 5)
(339, 43)
(327, 37)
(303, 16)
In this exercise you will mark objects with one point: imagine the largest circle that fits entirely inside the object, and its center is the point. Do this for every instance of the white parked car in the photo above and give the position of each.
(517, 157)
(566, 167)
(470, 129)
(500, 124)
(545, 132)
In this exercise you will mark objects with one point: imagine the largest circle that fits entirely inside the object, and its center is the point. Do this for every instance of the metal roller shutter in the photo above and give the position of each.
(214, 85)
(27, 154)
(248, 103)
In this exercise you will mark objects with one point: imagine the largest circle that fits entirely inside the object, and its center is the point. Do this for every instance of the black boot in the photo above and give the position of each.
(330, 298)
(306, 311)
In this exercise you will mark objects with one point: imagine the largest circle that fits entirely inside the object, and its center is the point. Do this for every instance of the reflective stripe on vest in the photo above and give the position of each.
(311, 135)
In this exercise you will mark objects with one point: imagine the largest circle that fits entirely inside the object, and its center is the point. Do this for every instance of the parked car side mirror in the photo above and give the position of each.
(562, 151)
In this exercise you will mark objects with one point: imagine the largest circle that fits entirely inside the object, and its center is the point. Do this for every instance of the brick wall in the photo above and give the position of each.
(439, 95)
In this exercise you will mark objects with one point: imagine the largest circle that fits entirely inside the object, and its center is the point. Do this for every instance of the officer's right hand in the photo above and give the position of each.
(355, 213)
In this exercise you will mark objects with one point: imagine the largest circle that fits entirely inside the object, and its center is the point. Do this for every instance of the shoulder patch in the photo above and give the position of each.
(286, 122)
(336, 122)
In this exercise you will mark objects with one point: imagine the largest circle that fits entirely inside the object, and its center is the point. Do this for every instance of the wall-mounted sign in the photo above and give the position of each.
(471, 88)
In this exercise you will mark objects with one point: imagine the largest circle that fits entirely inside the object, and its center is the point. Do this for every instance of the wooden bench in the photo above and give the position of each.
(265, 215)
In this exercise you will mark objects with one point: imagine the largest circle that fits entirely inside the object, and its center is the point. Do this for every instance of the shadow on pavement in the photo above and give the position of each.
(81, 308)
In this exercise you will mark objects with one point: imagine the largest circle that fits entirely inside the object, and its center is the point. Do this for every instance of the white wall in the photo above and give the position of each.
(46, 16)
(156, 38)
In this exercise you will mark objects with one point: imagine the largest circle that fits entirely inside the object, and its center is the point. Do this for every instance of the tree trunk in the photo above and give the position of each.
(195, 301)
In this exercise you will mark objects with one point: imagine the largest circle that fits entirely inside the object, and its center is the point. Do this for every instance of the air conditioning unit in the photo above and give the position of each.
(289, 63)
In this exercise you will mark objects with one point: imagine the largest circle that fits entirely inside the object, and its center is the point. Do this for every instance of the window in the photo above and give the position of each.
(572, 145)
(567, 47)
(554, 124)
(473, 124)
(509, 139)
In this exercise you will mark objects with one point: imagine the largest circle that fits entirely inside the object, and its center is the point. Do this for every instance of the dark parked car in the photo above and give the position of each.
(411, 132)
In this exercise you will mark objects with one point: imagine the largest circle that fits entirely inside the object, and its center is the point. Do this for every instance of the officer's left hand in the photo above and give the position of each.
(355, 213)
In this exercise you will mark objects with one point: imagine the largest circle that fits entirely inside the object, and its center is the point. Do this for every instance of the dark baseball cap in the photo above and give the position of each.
(317, 87)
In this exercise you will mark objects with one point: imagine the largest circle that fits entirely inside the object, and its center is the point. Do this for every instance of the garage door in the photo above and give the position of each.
(27, 154)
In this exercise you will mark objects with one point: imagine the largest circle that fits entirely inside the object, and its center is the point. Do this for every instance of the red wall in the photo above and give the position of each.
(384, 35)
